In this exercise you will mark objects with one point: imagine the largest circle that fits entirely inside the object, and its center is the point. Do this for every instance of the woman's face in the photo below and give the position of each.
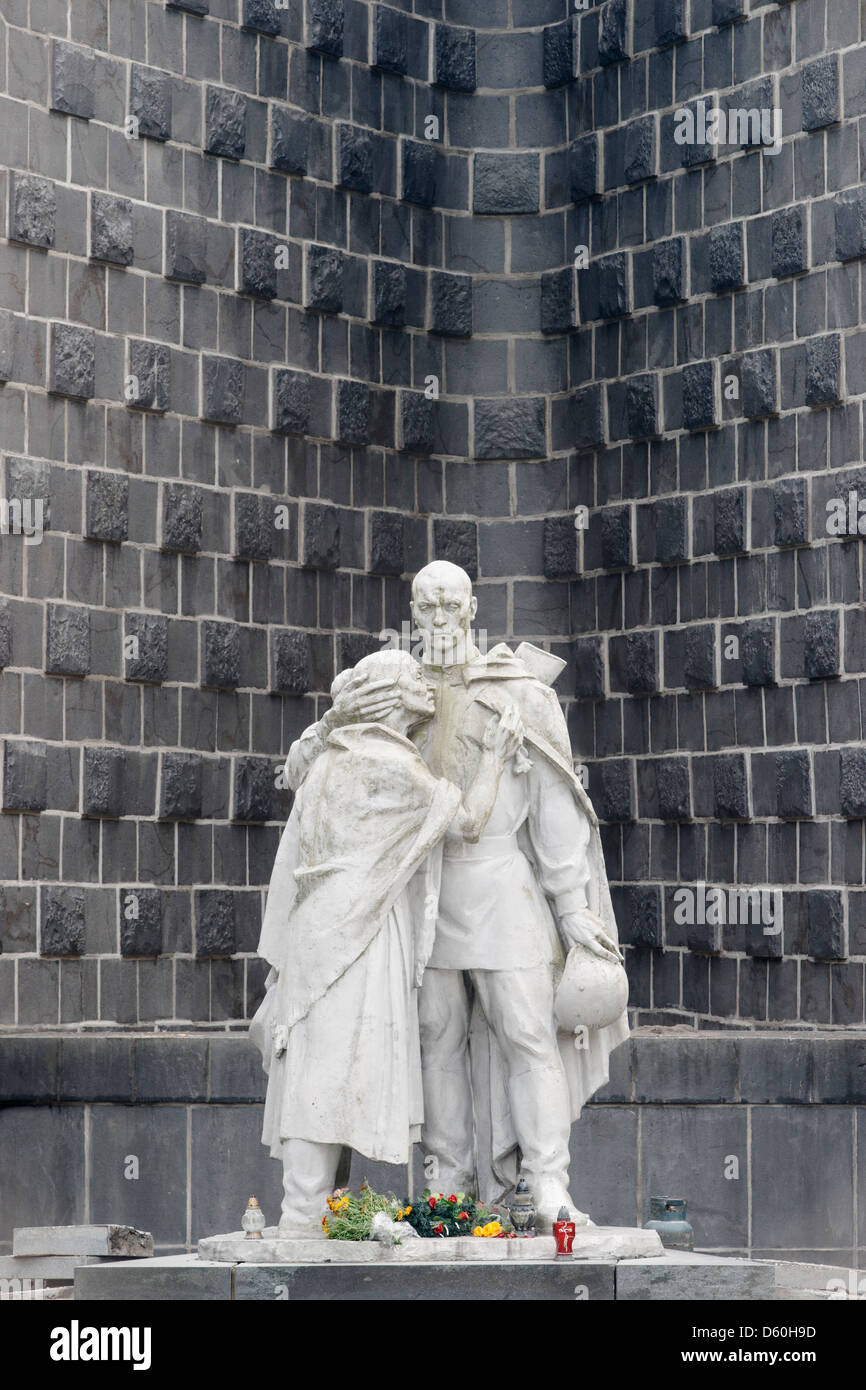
(416, 695)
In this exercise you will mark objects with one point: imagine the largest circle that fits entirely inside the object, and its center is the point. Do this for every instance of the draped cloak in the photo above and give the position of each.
(348, 928)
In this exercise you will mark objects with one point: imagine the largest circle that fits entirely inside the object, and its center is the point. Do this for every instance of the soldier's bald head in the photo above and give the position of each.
(441, 574)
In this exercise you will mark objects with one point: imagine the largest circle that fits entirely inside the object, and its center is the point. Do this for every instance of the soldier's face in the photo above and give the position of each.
(443, 612)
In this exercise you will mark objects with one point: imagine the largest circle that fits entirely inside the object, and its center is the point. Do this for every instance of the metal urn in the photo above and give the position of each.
(521, 1209)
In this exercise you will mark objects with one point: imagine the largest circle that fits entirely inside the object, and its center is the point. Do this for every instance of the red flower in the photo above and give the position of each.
(439, 1229)
(463, 1216)
(452, 1198)
(431, 1202)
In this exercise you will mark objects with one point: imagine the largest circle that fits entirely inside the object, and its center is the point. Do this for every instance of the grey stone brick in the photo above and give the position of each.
(639, 916)
(793, 785)
(728, 11)
(390, 40)
(354, 159)
(821, 644)
(291, 402)
(641, 663)
(616, 800)
(757, 651)
(730, 787)
(185, 247)
(223, 388)
(700, 411)
(181, 518)
(456, 541)
(588, 416)
(758, 383)
(640, 149)
(700, 658)
(290, 140)
(790, 513)
(148, 375)
(823, 370)
(451, 304)
(180, 786)
(150, 101)
(789, 251)
(257, 263)
(104, 781)
(196, 7)
(140, 919)
(616, 538)
(214, 922)
(25, 775)
(72, 361)
(729, 521)
(324, 279)
(291, 662)
(558, 53)
(107, 505)
(560, 547)
(613, 35)
(32, 209)
(254, 526)
(325, 21)
(671, 530)
(73, 79)
(674, 789)
(387, 543)
(389, 293)
(67, 640)
(509, 428)
(321, 536)
(253, 789)
(825, 932)
(146, 647)
(225, 120)
(62, 921)
(726, 257)
(588, 666)
(583, 168)
(353, 412)
(852, 764)
(668, 271)
(261, 15)
(557, 301)
(417, 422)
(505, 183)
(220, 655)
(454, 58)
(642, 405)
(850, 222)
(612, 278)
(7, 344)
(821, 92)
(5, 637)
(111, 230)
(671, 22)
(418, 160)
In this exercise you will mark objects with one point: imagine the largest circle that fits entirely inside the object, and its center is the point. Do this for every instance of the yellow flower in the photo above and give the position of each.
(407, 1210)
(492, 1228)
(399, 1216)
(478, 1231)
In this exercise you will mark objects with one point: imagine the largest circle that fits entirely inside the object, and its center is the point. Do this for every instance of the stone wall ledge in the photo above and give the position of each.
(652, 1068)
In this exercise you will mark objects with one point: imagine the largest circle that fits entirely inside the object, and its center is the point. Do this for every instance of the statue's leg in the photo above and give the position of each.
(309, 1175)
(518, 1005)
(447, 1136)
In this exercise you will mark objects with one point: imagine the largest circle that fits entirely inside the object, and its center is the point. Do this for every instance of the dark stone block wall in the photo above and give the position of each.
(266, 348)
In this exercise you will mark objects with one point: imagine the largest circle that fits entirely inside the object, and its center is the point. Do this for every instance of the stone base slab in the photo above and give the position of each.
(674, 1276)
(590, 1243)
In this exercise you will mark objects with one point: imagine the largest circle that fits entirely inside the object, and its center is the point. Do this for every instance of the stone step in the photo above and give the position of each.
(123, 1242)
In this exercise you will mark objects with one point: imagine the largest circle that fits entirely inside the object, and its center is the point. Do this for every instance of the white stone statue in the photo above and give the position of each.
(487, 917)
(349, 927)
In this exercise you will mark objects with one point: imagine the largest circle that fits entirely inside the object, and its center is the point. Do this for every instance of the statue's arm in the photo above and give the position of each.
(304, 752)
(502, 738)
(360, 701)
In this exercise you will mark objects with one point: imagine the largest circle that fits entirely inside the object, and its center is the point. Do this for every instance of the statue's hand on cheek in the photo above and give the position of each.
(363, 702)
